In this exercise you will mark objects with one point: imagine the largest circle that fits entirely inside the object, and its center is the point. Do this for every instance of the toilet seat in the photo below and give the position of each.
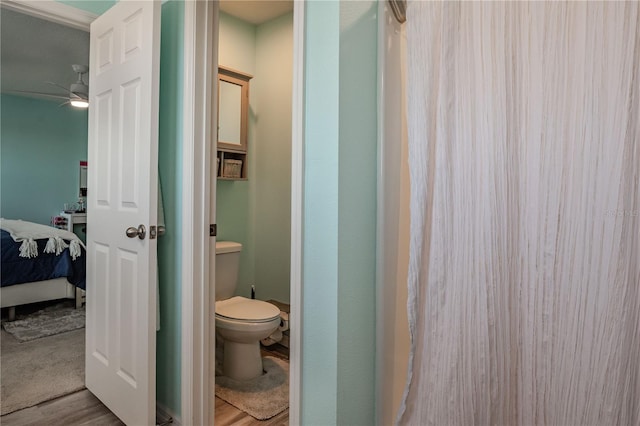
(241, 309)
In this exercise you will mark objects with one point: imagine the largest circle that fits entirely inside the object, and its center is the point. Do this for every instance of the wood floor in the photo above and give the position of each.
(80, 408)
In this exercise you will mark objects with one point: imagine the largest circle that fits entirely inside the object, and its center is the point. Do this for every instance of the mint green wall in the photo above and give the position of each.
(237, 44)
(234, 199)
(319, 404)
(41, 146)
(357, 217)
(168, 350)
(94, 6)
(338, 339)
(271, 158)
(256, 212)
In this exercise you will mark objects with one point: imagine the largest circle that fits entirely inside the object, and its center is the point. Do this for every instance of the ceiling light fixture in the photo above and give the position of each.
(79, 103)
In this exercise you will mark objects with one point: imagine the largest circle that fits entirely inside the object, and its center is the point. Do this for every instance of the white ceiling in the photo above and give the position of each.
(34, 51)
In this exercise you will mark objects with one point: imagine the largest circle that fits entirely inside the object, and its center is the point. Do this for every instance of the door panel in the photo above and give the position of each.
(122, 193)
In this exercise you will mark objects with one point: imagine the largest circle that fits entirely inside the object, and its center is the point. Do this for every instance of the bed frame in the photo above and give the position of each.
(39, 291)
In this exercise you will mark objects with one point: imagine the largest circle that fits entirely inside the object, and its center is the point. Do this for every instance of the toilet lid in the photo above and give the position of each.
(241, 308)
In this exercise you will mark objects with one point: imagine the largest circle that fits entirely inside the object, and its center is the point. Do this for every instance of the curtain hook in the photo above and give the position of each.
(399, 8)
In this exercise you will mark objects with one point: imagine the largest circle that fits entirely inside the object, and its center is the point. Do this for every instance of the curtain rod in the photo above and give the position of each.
(399, 8)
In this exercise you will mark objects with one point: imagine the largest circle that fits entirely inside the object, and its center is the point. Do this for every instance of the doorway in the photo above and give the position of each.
(69, 16)
(44, 140)
(253, 205)
(201, 53)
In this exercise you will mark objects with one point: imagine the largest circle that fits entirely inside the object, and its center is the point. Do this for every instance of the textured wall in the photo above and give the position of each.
(524, 141)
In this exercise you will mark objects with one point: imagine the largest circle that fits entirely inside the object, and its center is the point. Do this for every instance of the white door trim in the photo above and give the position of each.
(200, 42)
(297, 192)
(200, 52)
(53, 11)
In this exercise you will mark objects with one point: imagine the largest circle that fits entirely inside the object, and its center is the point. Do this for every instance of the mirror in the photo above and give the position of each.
(233, 109)
(83, 179)
(230, 113)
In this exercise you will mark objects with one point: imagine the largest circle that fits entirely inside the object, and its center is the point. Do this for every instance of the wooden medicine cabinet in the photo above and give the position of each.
(233, 123)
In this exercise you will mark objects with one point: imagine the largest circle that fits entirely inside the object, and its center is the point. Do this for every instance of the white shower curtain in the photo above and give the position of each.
(524, 278)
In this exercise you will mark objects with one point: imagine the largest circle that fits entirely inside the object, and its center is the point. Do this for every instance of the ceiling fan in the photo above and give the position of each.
(77, 94)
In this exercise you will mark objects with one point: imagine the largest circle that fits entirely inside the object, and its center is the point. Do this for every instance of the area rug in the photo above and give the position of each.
(49, 321)
(40, 370)
(261, 398)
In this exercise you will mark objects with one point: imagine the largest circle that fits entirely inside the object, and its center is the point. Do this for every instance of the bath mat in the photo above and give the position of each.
(46, 322)
(263, 397)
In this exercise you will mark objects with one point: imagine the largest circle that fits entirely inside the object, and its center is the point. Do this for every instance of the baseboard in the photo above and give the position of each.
(165, 416)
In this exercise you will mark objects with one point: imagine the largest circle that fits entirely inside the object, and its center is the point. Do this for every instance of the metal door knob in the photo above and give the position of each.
(139, 232)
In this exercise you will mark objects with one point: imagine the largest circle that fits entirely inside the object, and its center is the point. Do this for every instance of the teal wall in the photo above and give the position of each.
(338, 339)
(94, 6)
(168, 350)
(41, 146)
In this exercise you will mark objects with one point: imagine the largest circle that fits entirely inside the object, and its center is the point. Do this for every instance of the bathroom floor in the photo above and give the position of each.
(227, 414)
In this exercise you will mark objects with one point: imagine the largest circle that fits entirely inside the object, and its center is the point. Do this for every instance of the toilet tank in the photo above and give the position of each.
(227, 267)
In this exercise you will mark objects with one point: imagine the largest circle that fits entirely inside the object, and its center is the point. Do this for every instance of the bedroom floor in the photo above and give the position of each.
(40, 371)
(79, 408)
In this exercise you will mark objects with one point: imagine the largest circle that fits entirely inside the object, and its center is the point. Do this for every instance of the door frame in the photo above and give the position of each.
(200, 18)
(53, 11)
(200, 74)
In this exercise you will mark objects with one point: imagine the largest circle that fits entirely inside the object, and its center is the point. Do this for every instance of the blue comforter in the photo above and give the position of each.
(46, 266)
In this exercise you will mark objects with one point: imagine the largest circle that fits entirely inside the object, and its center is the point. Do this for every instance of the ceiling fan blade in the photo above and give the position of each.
(41, 94)
(66, 89)
(64, 103)
(80, 95)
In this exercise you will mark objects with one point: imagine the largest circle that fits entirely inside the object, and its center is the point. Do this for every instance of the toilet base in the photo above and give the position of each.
(242, 361)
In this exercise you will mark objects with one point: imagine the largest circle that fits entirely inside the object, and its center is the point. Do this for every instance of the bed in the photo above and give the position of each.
(49, 266)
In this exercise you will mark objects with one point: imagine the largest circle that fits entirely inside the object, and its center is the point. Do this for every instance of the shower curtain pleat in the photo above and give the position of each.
(524, 275)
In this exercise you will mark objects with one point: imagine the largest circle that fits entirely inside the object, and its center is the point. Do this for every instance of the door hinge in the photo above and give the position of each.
(213, 230)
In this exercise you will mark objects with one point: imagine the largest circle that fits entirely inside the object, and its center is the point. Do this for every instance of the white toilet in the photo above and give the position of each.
(240, 322)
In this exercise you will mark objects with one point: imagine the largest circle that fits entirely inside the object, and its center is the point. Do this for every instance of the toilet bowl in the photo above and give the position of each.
(242, 323)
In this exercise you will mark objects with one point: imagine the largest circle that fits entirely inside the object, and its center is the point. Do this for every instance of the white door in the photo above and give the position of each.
(122, 194)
